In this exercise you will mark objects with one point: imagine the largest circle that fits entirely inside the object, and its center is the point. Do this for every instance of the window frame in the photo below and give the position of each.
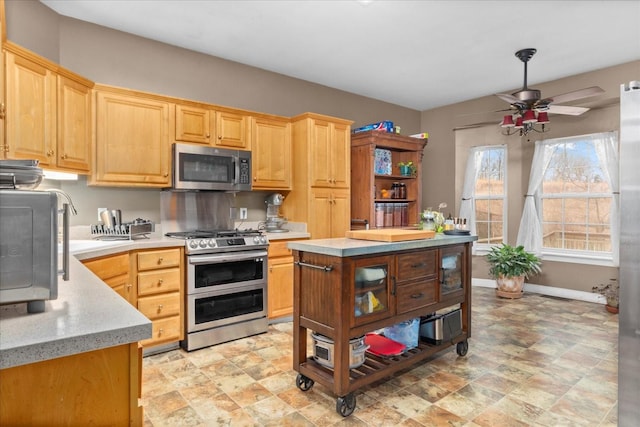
(480, 247)
(571, 255)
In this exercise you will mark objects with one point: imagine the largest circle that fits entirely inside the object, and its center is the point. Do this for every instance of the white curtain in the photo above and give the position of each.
(606, 148)
(467, 205)
(530, 231)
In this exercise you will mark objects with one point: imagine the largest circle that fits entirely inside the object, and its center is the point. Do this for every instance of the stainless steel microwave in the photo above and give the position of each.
(29, 248)
(209, 168)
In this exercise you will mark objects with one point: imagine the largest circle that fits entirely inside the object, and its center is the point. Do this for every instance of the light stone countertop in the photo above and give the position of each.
(344, 247)
(86, 316)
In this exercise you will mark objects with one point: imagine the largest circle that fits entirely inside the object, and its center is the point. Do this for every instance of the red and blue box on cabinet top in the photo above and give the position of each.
(384, 126)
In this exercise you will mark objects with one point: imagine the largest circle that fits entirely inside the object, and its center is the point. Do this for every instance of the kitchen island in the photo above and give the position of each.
(346, 288)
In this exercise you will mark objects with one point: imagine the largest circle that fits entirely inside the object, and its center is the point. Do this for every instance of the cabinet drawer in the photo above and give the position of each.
(416, 295)
(111, 266)
(277, 249)
(417, 264)
(158, 306)
(163, 258)
(164, 330)
(155, 282)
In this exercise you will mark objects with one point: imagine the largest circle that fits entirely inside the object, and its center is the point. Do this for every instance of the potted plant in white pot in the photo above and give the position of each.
(510, 265)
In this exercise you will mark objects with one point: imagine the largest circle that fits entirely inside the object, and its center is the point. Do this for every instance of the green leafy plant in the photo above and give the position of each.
(409, 165)
(512, 261)
(610, 291)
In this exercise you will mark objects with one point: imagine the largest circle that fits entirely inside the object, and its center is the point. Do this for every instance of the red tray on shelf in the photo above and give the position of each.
(383, 346)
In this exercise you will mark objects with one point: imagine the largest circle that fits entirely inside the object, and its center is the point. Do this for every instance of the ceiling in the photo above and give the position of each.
(417, 54)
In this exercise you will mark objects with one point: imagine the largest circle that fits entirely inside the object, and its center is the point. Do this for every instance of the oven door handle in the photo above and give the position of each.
(225, 257)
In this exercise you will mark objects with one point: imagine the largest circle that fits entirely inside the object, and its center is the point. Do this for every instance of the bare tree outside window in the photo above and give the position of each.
(490, 193)
(575, 200)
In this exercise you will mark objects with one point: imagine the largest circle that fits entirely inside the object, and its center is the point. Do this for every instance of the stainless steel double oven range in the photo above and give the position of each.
(226, 285)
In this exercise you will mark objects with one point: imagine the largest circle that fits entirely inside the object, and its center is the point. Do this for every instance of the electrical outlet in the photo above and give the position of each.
(243, 213)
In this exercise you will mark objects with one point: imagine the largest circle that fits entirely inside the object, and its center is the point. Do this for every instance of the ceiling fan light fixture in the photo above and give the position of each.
(529, 117)
(519, 124)
(543, 117)
(507, 122)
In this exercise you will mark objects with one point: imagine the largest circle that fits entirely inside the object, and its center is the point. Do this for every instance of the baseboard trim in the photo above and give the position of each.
(547, 290)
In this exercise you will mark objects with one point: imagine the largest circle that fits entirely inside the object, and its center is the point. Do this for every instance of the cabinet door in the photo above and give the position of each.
(373, 284)
(320, 154)
(340, 152)
(271, 154)
(194, 124)
(132, 141)
(74, 125)
(30, 111)
(452, 273)
(232, 130)
(114, 271)
(280, 287)
(329, 213)
(340, 213)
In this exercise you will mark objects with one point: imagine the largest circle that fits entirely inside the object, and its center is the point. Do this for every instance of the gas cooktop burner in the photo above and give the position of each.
(212, 234)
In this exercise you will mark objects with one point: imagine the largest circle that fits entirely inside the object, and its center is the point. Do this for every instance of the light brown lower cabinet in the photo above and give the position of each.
(280, 281)
(100, 387)
(151, 280)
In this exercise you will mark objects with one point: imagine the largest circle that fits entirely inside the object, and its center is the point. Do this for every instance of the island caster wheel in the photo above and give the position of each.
(345, 405)
(304, 383)
(462, 348)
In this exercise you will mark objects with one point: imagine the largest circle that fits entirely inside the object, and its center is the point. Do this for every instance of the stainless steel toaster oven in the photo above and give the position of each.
(29, 247)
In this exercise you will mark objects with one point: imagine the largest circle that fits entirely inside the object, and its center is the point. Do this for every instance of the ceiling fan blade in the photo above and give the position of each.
(507, 97)
(572, 96)
(566, 110)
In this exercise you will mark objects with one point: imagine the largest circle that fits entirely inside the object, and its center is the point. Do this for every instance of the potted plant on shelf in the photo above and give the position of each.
(407, 168)
(611, 293)
(510, 265)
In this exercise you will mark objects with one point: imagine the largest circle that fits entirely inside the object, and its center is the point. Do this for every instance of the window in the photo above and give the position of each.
(576, 197)
(484, 194)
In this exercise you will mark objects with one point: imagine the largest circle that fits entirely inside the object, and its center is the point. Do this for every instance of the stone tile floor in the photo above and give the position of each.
(536, 361)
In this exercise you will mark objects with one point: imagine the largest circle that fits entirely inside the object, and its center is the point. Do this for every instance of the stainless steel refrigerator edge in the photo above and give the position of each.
(629, 276)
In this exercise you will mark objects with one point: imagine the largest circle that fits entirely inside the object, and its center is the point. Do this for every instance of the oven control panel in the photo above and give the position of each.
(205, 245)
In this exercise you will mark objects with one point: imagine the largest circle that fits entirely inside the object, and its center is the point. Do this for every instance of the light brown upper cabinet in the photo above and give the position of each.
(133, 143)
(219, 128)
(233, 130)
(271, 153)
(194, 124)
(321, 175)
(48, 113)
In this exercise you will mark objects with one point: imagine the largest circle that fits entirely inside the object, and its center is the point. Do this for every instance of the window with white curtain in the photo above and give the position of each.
(484, 194)
(573, 197)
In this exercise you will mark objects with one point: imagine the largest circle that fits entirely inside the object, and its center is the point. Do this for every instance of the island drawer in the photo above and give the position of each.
(417, 264)
(416, 295)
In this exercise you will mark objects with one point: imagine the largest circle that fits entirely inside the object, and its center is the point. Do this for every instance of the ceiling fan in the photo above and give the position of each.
(530, 109)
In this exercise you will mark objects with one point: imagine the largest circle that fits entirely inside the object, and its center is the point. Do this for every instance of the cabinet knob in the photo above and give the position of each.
(207, 136)
(3, 111)
(160, 281)
(160, 260)
(129, 286)
(160, 332)
(165, 175)
(64, 156)
(219, 136)
(160, 307)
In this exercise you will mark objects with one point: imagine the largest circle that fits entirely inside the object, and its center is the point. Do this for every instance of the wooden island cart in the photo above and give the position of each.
(335, 281)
